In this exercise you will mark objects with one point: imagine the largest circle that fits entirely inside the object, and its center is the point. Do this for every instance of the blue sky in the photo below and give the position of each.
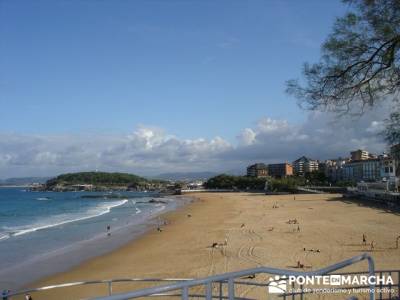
(162, 86)
(194, 68)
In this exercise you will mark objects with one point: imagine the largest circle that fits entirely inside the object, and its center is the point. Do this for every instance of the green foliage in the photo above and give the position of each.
(224, 181)
(316, 178)
(97, 178)
(359, 65)
(179, 185)
(392, 132)
(286, 184)
(345, 183)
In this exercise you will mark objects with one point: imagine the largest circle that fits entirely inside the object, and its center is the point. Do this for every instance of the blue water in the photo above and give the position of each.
(36, 226)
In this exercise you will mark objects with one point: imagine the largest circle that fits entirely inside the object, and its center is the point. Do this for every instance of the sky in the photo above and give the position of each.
(163, 86)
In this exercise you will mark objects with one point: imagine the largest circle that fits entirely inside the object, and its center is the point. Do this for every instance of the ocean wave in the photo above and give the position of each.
(91, 213)
(159, 208)
(43, 198)
(4, 236)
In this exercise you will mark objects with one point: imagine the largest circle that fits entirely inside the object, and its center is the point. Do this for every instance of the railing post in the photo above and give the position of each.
(5, 294)
(398, 284)
(209, 291)
(220, 290)
(185, 293)
(371, 269)
(231, 289)
(293, 291)
(110, 288)
(302, 292)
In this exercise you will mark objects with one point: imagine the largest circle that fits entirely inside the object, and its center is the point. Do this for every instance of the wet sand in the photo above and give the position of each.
(256, 234)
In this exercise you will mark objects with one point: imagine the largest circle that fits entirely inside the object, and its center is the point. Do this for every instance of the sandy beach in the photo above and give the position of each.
(256, 230)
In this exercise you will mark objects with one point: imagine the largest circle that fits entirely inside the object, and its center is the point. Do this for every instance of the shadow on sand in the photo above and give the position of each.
(384, 208)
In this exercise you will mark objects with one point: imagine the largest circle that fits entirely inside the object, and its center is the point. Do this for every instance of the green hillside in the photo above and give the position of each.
(98, 178)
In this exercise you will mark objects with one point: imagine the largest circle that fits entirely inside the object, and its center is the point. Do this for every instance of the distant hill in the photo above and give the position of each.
(97, 178)
(23, 180)
(186, 176)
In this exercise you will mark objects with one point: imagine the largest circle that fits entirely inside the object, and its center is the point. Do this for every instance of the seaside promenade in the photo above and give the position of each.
(223, 232)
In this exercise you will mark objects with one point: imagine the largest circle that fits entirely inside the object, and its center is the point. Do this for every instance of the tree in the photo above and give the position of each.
(316, 177)
(99, 178)
(359, 66)
(224, 181)
(285, 184)
(392, 132)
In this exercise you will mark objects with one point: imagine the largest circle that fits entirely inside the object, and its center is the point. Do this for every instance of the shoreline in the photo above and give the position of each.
(63, 259)
(256, 234)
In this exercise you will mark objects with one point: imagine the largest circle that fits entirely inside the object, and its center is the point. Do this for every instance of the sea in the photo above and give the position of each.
(42, 233)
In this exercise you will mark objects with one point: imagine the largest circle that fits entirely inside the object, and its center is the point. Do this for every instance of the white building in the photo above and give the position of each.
(304, 165)
(359, 155)
(388, 167)
(362, 170)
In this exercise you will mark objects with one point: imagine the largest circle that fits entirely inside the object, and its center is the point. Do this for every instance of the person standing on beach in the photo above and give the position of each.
(108, 230)
(364, 239)
(372, 245)
(28, 297)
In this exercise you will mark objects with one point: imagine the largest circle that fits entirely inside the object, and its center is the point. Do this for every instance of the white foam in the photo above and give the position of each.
(4, 236)
(161, 208)
(98, 211)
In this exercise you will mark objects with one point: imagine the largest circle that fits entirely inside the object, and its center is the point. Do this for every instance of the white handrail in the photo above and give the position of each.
(229, 277)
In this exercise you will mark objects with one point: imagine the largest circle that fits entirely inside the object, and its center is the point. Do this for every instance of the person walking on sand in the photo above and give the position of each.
(28, 297)
(108, 230)
(300, 265)
(364, 239)
(372, 245)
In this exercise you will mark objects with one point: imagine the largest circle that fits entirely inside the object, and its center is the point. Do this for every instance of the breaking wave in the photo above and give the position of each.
(61, 219)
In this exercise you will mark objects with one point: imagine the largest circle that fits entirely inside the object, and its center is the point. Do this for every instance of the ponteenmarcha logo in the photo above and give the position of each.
(277, 285)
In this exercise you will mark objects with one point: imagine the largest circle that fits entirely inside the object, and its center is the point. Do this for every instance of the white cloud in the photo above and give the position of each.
(268, 125)
(376, 127)
(150, 150)
(247, 137)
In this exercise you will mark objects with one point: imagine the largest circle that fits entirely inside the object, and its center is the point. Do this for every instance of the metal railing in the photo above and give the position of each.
(108, 282)
(229, 278)
(228, 282)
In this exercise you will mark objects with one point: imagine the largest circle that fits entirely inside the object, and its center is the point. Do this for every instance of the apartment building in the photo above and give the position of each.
(388, 167)
(304, 165)
(359, 155)
(334, 168)
(362, 170)
(257, 170)
(280, 170)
